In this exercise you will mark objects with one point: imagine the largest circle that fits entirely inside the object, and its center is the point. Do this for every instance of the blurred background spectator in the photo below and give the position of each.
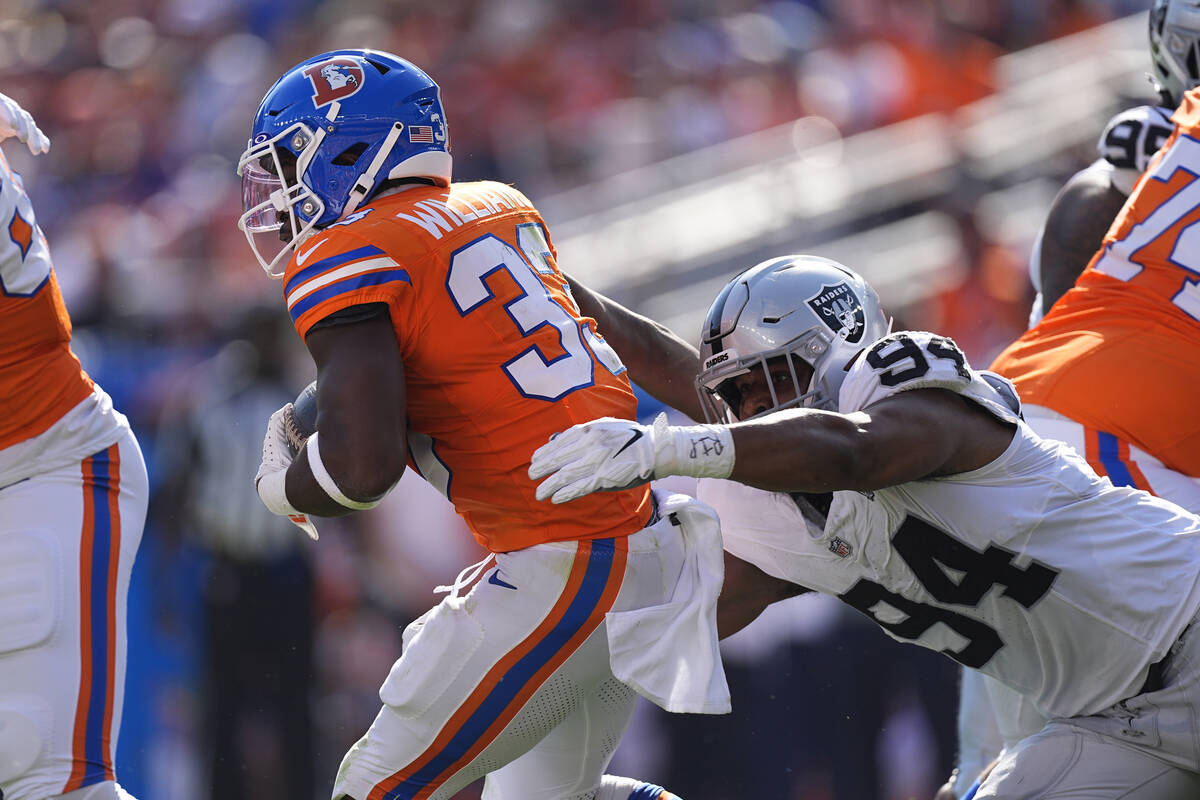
(669, 143)
(255, 736)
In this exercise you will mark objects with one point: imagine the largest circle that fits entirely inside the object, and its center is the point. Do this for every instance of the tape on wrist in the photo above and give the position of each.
(271, 490)
(326, 480)
(704, 451)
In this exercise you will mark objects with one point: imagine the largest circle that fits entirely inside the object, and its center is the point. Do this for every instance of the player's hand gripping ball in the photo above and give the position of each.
(300, 422)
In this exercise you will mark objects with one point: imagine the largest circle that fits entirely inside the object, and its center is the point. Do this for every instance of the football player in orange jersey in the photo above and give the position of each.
(73, 494)
(1114, 367)
(446, 338)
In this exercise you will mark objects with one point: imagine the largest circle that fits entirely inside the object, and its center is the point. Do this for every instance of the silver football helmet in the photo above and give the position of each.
(805, 306)
(1175, 47)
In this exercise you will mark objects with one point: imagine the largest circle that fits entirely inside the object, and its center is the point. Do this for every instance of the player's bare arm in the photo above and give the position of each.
(1081, 214)
(917, 434)
(920, 433)
(658, 360)
(360, 397)
(746, 593)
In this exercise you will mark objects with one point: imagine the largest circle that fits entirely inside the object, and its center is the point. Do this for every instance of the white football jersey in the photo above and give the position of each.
(1031, 569)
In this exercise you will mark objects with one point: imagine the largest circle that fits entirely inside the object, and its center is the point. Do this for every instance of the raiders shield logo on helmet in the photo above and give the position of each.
(840, 309)
(335, 79)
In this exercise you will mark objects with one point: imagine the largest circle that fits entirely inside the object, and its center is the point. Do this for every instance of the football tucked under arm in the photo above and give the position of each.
(299, 424)
(300, 420)
(287, 431)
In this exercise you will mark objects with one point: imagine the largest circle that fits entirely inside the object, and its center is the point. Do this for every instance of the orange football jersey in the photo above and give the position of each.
(497, 357)
(40, 378)
(1120, 351)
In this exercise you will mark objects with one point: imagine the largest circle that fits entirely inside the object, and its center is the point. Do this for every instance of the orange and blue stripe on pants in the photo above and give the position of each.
(99, 554)
(1109, 455)
(590, 591)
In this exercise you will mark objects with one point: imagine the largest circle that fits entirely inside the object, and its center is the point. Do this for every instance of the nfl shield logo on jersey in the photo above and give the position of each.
(840, 309)
(335, 79)
(839, 547)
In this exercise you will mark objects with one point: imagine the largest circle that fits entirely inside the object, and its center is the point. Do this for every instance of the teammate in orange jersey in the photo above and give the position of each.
(1114, 368)
(1117, 353)
(73, 496)
(445, 336)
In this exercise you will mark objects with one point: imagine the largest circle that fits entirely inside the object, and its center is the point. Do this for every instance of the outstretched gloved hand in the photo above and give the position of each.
(609, 454)
(16, 121)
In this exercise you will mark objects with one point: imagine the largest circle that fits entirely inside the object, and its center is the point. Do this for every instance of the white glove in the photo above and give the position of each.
(610, 454)
(16, 121)
(272, 473)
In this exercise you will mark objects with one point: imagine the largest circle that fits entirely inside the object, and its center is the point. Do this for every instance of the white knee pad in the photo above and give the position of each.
(28, 589)
(20, 744)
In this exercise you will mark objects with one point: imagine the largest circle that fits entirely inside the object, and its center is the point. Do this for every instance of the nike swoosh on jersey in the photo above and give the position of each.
(496, 579)
(636, 435)
(302, 257)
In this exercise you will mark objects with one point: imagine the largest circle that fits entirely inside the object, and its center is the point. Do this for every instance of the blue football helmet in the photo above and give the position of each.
(327, 135)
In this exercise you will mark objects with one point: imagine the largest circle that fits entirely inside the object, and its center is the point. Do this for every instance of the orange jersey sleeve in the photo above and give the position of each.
(497, 357)
(1120, 351)
(40, 378)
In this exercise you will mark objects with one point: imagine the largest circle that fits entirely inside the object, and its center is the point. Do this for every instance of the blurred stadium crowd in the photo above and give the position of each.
(255, 655)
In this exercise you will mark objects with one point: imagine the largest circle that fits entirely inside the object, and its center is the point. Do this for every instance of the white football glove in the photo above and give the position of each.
(610, 454)
(272, 473)
(16, 121)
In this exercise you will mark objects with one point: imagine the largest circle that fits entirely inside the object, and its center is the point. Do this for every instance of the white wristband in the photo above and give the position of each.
(699, 451)
(271, 490)
(326, 480)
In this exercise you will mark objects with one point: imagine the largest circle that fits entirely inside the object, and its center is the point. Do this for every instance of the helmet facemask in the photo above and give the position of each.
(717, 382)
(815, 312)
(276, 201)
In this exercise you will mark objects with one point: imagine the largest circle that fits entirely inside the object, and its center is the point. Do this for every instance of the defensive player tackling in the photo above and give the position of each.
(951, 523)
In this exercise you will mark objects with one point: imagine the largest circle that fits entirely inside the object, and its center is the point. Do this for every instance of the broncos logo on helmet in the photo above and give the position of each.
(334, 80)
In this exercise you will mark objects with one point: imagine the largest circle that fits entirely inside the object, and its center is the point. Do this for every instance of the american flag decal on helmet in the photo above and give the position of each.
(420, 134)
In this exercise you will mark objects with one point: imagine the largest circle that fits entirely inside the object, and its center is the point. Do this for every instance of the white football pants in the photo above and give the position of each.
(513, 680)
(67, 544)
(1143, 748)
